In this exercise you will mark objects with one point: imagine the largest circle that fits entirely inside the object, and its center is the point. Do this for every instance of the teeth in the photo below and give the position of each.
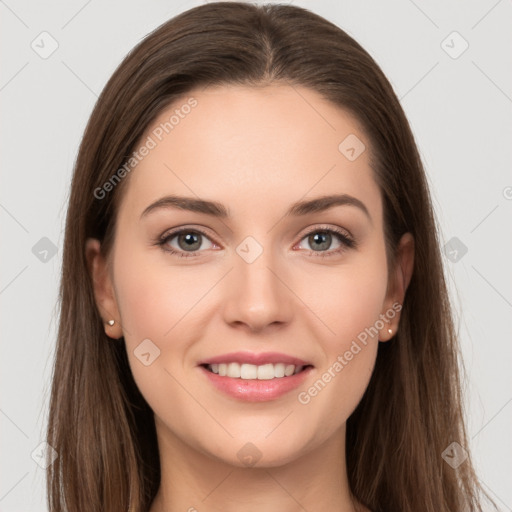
(233, 370)
(289, 370)
(251, 371)
(265, 372)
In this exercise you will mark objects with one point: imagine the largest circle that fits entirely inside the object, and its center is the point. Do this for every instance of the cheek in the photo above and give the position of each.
(155, 303)
(349, 303)
(347, 299)
(155, 300)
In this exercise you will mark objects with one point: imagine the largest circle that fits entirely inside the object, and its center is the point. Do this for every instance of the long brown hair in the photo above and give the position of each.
(99, 423)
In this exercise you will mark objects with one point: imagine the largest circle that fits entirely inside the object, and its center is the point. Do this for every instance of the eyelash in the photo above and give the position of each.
(347, 242)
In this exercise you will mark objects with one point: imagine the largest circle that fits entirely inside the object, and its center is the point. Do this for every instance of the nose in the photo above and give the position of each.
(257, 294)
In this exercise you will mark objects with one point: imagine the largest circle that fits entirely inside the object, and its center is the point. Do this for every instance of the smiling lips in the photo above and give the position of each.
(247, 365)
(255, 377)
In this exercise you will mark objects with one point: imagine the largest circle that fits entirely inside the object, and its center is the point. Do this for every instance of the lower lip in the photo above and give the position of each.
(254, 390)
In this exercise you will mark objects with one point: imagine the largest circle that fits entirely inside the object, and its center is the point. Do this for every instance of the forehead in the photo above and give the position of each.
(248, 146)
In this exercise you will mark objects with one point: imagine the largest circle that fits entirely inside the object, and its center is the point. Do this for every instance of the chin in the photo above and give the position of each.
(261, 453)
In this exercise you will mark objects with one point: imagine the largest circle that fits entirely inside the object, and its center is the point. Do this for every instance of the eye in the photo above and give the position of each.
(187, 240)
(320, 239)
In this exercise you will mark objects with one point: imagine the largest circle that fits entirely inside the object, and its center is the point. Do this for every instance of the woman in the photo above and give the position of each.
(210, 356)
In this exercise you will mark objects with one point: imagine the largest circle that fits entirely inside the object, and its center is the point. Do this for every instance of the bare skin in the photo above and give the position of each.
(257, 151)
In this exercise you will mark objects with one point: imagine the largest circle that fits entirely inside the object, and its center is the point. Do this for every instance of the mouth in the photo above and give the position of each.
(252, 377)
(247, 371)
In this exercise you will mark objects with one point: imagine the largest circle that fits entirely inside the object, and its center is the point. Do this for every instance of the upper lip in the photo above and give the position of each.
(255, 359)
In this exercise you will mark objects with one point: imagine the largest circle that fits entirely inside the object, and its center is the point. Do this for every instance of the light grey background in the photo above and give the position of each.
(460, 111)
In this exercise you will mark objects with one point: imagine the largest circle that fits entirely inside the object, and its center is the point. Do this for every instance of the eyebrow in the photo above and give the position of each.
(218, 210)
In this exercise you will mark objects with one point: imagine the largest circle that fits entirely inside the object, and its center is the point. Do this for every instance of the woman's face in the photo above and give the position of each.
(255, 281)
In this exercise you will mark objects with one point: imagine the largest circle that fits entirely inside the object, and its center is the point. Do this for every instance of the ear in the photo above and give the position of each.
(103, 288)
(397, 286)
